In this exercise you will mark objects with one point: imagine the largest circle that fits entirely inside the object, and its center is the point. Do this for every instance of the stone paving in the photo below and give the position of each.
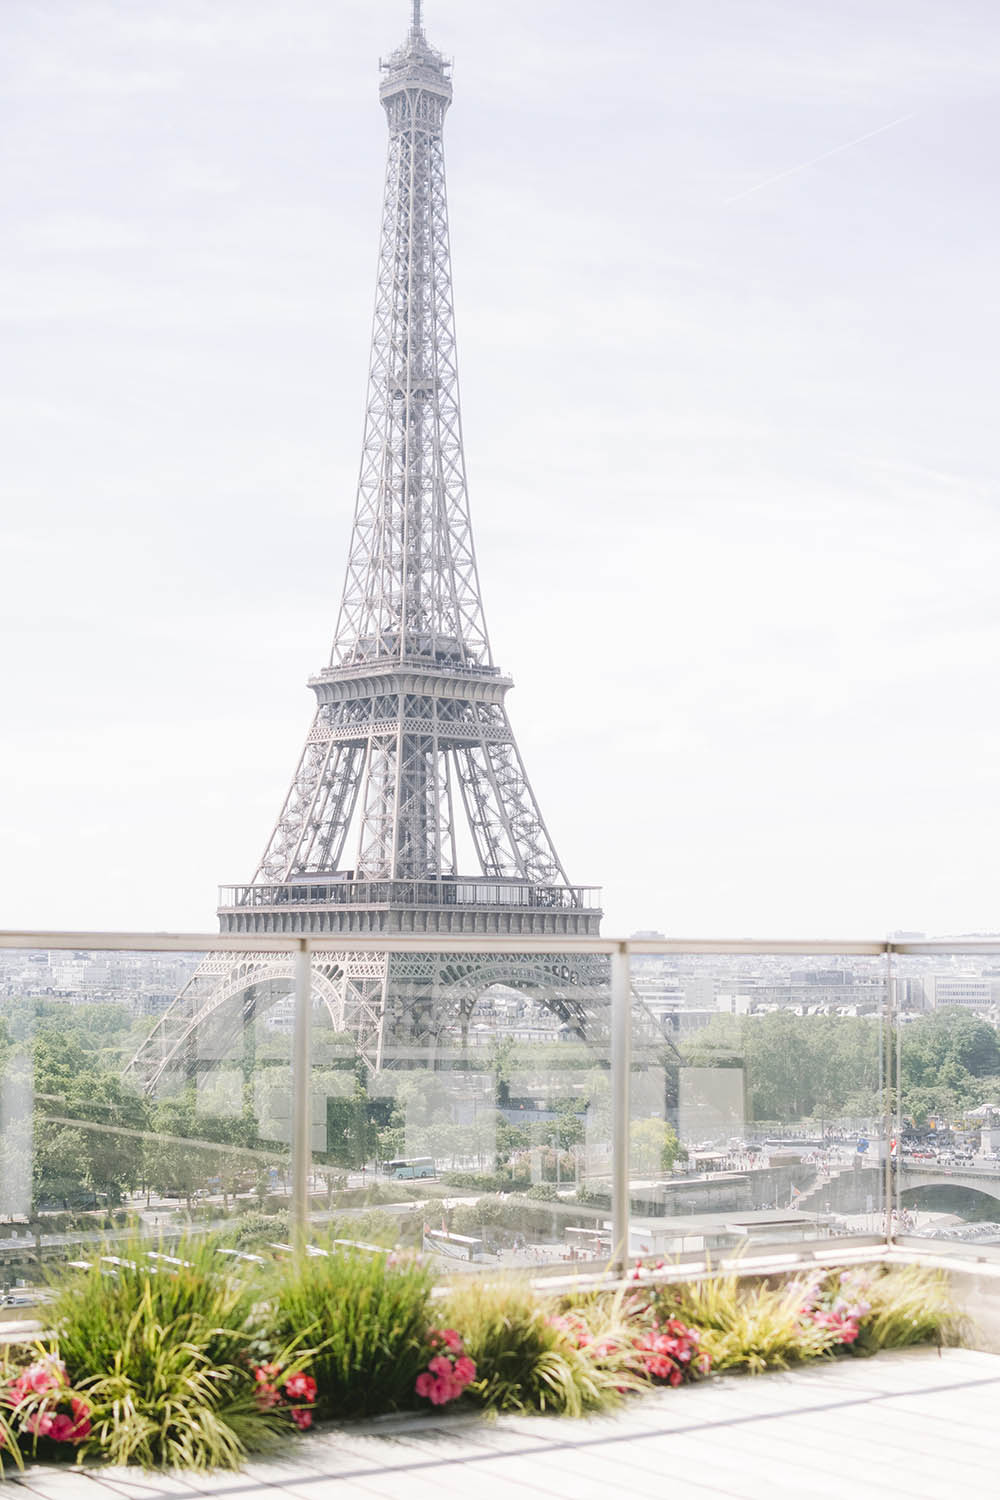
(920, 1424)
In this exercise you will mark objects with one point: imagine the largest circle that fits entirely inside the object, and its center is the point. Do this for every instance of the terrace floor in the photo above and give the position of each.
(915, 1424)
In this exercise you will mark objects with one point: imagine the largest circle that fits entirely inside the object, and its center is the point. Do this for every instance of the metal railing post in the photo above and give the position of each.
(621, 1058)
(899, 1098)
(887, 1103)
(301, 1098)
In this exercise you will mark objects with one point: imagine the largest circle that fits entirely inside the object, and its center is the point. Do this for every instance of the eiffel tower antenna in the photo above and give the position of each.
(410, 809)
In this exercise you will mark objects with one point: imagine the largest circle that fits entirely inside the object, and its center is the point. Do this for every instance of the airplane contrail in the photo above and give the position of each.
(788, 172)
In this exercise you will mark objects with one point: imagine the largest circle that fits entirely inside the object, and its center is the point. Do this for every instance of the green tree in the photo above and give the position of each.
(653, 1146)
(113, 1160)
(59, 1160)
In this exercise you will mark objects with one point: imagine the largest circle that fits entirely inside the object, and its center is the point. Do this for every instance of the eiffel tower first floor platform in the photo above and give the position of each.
(394, 1006)
(450, 904)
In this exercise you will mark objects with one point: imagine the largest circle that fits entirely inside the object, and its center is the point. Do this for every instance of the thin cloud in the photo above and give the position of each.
(823, 156)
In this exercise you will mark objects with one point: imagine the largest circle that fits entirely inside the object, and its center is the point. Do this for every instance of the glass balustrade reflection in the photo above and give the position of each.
(757, 1106)
(466, 1112)
(946, 1161)
(124, 1124)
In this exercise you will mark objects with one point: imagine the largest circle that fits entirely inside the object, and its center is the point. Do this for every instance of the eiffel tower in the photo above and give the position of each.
(410, 810)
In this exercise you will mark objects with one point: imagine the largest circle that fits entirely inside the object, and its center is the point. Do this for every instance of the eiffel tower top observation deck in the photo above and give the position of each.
(410, 809)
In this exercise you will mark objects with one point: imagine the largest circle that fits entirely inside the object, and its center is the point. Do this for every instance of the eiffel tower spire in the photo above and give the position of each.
(410, 809)
(412, 590)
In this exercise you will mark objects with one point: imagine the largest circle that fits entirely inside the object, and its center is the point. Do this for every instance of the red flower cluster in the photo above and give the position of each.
(450, 1369)
(668, 1353)
(844, 1329)
(40, 1396)
(837, 1308)
(297, 1393)
(572, 1327)
(640, 1269)
(671, 1353)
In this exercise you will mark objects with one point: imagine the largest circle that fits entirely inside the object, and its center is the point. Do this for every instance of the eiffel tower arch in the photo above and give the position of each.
(410, 810)
(389, 1003)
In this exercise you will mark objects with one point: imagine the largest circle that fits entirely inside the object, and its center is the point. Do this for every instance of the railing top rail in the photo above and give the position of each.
(200, 942)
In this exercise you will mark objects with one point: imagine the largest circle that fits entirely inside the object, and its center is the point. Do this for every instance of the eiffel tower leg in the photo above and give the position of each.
(359, 1006)
(190, 1061)
(249, 1052)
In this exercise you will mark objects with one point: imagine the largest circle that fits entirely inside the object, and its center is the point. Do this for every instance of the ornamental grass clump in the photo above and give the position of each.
(529, 1357)
(880, 1307)
(197, 1295)
(905, 1305)
(747, 1326)
(365, 1317)
(160, 1355)
(756, 1326)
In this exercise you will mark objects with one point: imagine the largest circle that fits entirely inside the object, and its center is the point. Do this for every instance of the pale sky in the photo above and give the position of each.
(729, 395)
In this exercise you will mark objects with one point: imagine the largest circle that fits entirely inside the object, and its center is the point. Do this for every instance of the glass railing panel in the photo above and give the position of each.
(461, 1108)
(461, 1104)
(946, 1173)
(756, 1102)
(144, 1097)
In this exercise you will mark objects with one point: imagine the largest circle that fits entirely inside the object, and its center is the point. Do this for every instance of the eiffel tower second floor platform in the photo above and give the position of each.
(410, 811)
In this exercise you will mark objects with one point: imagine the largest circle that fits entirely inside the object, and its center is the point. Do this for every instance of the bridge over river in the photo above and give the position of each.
(971, 1192)
(917, 1177)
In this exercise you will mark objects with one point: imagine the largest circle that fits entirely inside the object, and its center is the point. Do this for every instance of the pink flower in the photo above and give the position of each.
(465, 1370)
(61, 1429)
(39, 1423)
(453, 1340)
(301, 1417)
(300, 1388)
(440, 1365)
(81, 1420)
(440, 1391)
(40, 1377)
(424, 1384)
